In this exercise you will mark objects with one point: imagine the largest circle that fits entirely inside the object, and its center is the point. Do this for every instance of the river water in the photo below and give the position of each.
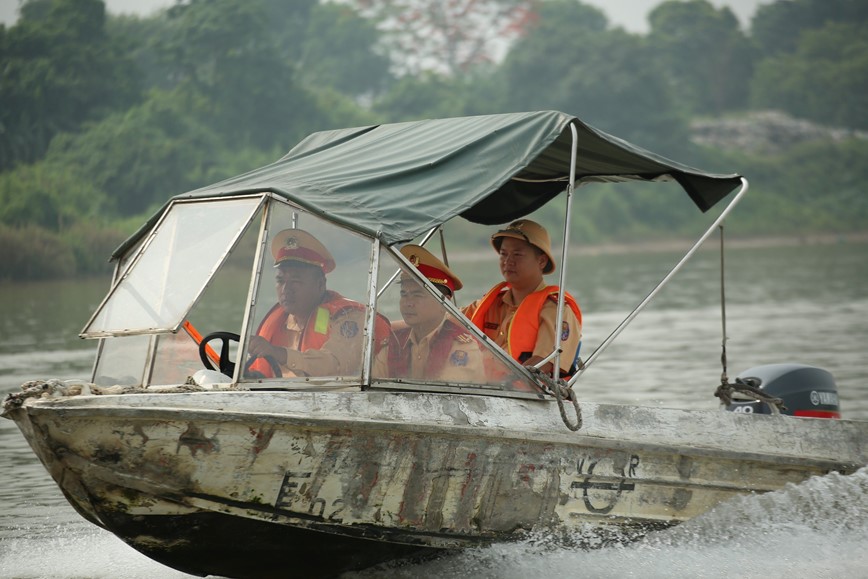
(798, 303)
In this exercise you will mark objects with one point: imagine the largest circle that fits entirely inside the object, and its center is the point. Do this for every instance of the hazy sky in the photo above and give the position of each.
(630, 14)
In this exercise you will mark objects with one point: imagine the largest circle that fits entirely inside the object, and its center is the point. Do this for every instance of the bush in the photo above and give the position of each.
(32, 253)
(92, 247)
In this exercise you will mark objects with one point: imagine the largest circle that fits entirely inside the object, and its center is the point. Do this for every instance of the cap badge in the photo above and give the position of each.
(414, 259)
(291, 243)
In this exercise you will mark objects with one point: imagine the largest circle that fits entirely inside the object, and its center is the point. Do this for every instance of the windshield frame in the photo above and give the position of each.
(172, 323)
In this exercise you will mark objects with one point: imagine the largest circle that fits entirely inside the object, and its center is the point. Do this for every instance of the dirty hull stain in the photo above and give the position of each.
(204, 491)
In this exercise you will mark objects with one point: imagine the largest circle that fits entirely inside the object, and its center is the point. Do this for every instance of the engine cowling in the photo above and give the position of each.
(806, 391)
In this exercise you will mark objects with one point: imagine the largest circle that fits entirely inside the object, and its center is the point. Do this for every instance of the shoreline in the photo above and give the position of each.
(732, 242)
(684, 244)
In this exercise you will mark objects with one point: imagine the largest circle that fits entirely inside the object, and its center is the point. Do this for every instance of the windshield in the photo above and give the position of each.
(290, 298)
(309, 315)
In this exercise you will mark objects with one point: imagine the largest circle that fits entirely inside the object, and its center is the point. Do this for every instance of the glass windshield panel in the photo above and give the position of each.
(176, 358)
(309, 314)
(163, 284)
(122, 361)
(431, 346)
(217, 315)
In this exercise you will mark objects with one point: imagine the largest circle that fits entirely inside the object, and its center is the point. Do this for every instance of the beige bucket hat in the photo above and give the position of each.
(529, 231)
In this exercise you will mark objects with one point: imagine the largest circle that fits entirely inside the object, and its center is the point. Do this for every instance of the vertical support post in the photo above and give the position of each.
(370, 315)
(724, 379)
(255, 280)
(563, 276)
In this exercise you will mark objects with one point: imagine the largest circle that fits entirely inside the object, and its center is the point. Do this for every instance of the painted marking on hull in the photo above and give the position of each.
(194, 439)
(605, 505)
(289, 488)
(293, 496)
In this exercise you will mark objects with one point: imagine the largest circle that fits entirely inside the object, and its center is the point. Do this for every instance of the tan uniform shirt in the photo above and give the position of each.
(340, 355)
(499, 319)
(463, 362)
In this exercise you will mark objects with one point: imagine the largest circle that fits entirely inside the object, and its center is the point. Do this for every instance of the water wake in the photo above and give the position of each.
(816, 529)
(76, 550)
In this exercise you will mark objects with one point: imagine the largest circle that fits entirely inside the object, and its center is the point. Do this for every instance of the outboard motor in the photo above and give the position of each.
(806, 390)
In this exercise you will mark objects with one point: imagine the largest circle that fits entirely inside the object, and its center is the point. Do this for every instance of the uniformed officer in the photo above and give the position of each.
(520, 313)
(311, 331)
(432, 346)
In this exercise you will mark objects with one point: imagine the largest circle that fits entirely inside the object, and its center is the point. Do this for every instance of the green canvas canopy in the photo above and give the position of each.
(397, 181)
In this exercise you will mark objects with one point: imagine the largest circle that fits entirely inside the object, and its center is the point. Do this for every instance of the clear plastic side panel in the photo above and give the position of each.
(432, 347)
(176, 359)
(217, 317)
(310, 308)
(122, 361)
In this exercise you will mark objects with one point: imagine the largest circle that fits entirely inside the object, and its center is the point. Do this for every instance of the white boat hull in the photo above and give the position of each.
(244, 483)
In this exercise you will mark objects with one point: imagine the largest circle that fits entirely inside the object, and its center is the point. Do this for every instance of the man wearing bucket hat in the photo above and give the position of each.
(311, 331)
(520, 313)
(432, 346)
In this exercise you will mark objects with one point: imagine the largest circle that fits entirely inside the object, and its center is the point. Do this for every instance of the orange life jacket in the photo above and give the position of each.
(522, 335)
(316, 329)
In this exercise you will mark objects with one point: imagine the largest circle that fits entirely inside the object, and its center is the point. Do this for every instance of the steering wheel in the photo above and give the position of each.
(272, 363)
(227, 366)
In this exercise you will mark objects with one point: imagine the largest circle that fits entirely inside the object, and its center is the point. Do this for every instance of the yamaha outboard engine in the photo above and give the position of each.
(805, 390)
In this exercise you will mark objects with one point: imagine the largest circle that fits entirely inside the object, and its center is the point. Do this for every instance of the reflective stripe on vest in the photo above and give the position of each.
(273, 328)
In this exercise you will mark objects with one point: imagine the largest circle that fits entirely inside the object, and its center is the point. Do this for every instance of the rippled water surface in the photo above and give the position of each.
(806, 304)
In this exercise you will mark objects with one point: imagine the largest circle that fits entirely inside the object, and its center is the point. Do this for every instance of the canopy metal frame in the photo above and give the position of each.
(555, 355)
(644, 303)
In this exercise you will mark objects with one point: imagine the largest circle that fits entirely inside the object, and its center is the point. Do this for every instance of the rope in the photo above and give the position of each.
(723, 377)
(561, 391)
(747, 387)
(751, 390)
(54, 388)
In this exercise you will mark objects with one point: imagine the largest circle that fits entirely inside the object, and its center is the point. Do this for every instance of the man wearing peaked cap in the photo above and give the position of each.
(432, 268)
(302, 247)
(520, 313)
(311, 331)
(432, 346)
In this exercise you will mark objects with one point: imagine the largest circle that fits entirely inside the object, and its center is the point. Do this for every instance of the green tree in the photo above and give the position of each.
(222, 50)
(48, 195)
(707, 58)
(776, 26)
(812, 187)
(825, 80)
(428, 95)
(447, 38)
(141, 157)
(140, 39)
(289, 24)
(58, 69)
(339, 52)
(570, 61)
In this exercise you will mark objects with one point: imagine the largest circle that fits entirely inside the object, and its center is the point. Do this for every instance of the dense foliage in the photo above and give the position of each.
(103, 118)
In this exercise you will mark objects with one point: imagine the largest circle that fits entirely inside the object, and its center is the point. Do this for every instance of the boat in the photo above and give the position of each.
(178, 447)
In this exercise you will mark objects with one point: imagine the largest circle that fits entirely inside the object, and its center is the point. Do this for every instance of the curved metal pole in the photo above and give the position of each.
(678, 266)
